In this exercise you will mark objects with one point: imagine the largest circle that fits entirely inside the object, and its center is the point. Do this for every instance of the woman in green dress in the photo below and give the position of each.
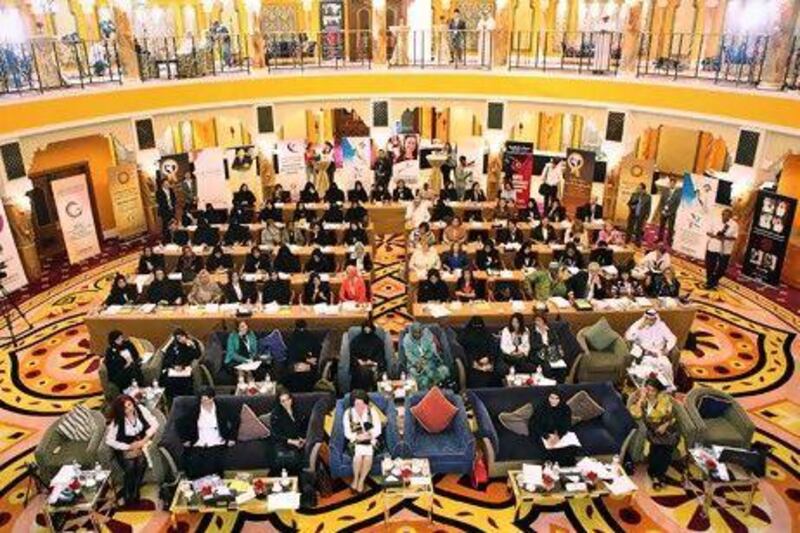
(423, 361)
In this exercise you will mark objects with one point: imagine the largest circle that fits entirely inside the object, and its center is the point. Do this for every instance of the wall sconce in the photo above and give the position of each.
(378, 4)
(87, 6)
(446, 5)
(501, 4)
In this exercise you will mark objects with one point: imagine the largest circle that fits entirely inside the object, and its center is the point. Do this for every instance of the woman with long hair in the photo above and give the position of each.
(130, 431)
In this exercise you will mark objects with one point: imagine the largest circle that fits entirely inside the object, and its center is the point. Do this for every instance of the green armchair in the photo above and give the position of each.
(150, 370)
(606, 364)
(732, 428)
(686, 428)
(56, 450)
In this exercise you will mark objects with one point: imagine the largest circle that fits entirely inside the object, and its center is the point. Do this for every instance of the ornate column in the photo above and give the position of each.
(379, 36)
(125, 44)
(501, 40)
(631, 32)
(779, 46)
(20, 219)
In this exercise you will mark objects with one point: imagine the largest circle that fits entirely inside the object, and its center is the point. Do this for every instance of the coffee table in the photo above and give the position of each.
(262, 498)
(726, 476)
(93, 484)
(406, 479)
(255, 387)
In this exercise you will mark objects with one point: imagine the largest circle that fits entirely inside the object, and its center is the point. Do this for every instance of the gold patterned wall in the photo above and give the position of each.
(550, 129)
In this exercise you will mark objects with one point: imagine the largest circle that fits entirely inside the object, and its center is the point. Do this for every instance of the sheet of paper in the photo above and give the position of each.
(112, 309)
(147, 308)
(249, 366)
(636, 351)
(419, 481)
(569, 439)
(175, 373)
(532, 473)
(175, 276)
(517, 306)
(558, 364)
(64, 476)
(561, 303)
(621, 485)
(438, 310)
(643, 302)
(283, 500)
(575, 487)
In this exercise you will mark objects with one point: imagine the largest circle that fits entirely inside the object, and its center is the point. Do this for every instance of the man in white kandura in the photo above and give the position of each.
(651, 342)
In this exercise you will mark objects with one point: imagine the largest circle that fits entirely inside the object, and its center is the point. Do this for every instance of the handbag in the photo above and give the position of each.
(480, 473)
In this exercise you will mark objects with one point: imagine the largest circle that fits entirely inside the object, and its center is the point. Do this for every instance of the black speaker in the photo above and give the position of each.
(494, 116)
(615, 126)
(145, 137)
(12, 161)
(747, 147)
(380, 114)
(266, 122)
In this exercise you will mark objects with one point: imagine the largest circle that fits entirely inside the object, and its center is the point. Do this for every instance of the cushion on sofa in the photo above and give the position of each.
(517, 420)
(250, 427)
(77, 425)
(434, 412)
(600, 336)
(712, 407)
(583, 407)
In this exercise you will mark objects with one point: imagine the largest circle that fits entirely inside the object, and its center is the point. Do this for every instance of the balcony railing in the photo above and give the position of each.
(46, 64)
(324, 49)
(190, 57)
(592, 52)
(792, 79)
(470, 49)
(721, 58)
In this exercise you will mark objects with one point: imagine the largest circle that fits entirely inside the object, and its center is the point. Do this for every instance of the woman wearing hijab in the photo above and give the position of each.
(433, 288)
(353, 288)
(204, 290)
(510, 234)
(359, 258)
(178, 357)
(149, 262)
(475, 194)
(526, 258)
(236, 291)
(293, 235)
(304, 214)
(302, 357)
(423, 361)
(441, 211)
(270, 212)
(355, 233)
(455, 258)
(121, 293)
(321, 236)
(318, 262)
(205, 234)
(188, 264)
(488, 258)
(316, 291)
(219, 260)
(552, 420)
(271, 234)
(334, 214)
(530, 212)
(379, 194)
(309, 194)
(468, 288)
(367, 361)
(362, 429)
(334, 194)
(244, 197)
(653, 405)
(164, 291)
(276, 290)
(424, 258)
(480, 352)
(288, 432)
(356, 213)
(122, 361)
(515, 344)
(571, 256)
(237, 234)
(285, 261)
(256, 261)
(449, 193)
(357, 193)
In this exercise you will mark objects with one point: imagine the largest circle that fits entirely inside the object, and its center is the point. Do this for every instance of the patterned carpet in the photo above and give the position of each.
(746, 344)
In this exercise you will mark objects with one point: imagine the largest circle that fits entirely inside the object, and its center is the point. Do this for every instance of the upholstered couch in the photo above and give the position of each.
(603, 437)
(255, 454)
(730, 427)
(343, 377)
(341, 462)
(451, 451)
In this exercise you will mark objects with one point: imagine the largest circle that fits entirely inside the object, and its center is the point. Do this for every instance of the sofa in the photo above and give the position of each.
(211, 363)
(341, 462)
(730, 427)
(603, 437)
(255, 454)
(599, 365)
(452, 450)
(343, 378)
(150, 370)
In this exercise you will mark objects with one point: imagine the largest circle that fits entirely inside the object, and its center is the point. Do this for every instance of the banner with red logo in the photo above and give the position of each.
(71, 196)
(518, 166)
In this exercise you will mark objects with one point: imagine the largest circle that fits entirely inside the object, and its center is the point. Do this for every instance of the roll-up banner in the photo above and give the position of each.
(126, 200)
(769, 236)
(71, 196)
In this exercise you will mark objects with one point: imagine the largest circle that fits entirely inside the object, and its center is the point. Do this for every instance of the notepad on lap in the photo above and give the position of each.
(569, 439)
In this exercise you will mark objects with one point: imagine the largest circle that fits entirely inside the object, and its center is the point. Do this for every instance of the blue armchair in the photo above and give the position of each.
(343, 370)
(451, 451)
(341, 462)
(443, 343)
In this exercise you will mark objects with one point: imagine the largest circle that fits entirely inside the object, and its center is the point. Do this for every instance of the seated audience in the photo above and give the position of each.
(303, 214)
(530, 212)
(359, 258)
(238, 234)
(334, 195)
(510, 234)
(164, 291)
(651, 343)
(309, 194)
(355, 233)
(204, 290)
(149, 261)
(424, 258)
(547, 351)
(602, 254)
(131, 428)
(244, 197)
(242, 347)
(556, 212)
(544, 284)
(362, 429)
(356, 213)
(294, 235)
(358, 193)
(433, 288)
(656, 260)
(525, 258)
(475, 194)
(611, 235)
(188, 264)
(441, 211)
(418, 211)
(423, 361)
(123, 364)
(654, 405)
(367, 361)
(480, 352)
(668, 284)
(507, 192)
(288, 431)
(270, 212)
(571, 257)
(272, 233)
(505, 291)
(285, 261)
(626, 286)
(279, 196)
(334, 214)
(487, 257)
(449, 192)
(423, 233)
(316, 291)
(218, 260)
(205, 234)
(402, 193)
(302, 355)
(353, 288)
(276, 290)
(256, 261)
(379, 194)
(455, 232)
(505, 210)
(551, 421)
(515, 344)
(455, 258)
(468, 288)
(544, 232)
(590, 211)
(319, 262)
(595, 284)
(206, 431)
(321, 236)
(236, 291)
(176, 369)
(121, 292)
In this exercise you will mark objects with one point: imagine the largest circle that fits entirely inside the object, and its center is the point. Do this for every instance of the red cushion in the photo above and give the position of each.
(434, 412)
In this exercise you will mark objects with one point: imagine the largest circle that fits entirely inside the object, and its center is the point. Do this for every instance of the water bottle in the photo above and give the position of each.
(384, 377)
(511, 372)
(616, 466)
(135, 384)
(97, 467)
(155, 383)
(539, 375)
(241, 379)
(284, 474)
(403, 376)
(267, 378)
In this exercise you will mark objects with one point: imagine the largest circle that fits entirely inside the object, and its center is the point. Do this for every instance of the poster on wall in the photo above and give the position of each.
(518, 166)
(9, 255)
(126, 200)
(332, 24)
(405, 152)
(696, 212)
(292, 165)
(174, 167)
(241, 166)
(356, 156)
(632, 172)
(71, 196)
(769, 237)
(473, 149)
(578, 178)
(209, 170)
